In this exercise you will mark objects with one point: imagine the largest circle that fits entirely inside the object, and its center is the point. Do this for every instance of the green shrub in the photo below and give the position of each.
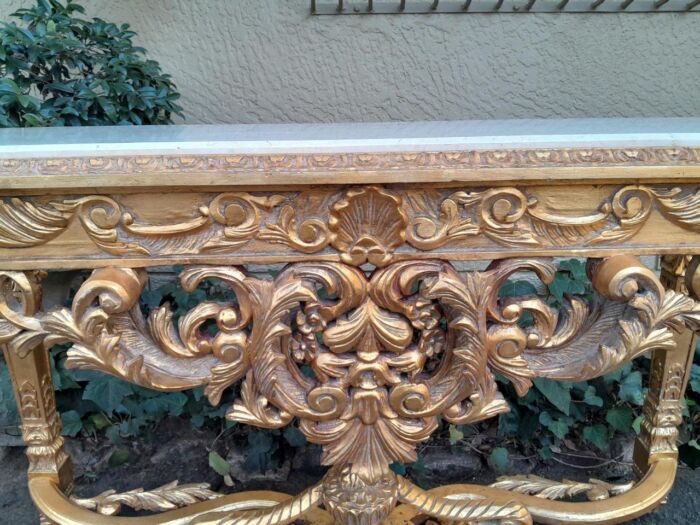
(61, 70)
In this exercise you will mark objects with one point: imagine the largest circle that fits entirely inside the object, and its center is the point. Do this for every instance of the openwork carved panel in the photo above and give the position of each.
(370, 297)
(390, 350)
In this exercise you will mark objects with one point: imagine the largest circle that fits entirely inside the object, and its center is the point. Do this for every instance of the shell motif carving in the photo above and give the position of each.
(367, 225)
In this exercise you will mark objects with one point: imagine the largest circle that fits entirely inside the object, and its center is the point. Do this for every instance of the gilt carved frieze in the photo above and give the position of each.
(354, 225)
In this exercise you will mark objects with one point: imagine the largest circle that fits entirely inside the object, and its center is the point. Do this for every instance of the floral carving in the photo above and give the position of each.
(369, 340)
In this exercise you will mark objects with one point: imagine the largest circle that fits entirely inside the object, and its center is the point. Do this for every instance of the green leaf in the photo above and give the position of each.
(294, 437)
(72, 424)
(33, 120)
(517, 289)
(620, 418)
(172, 403)
(113, 434)
(559, 394)
(694, 381)
(545, 453)
(261, 447)
(456, 435)
(107, 393)
(27, 101)
(119, 457)
(559, 428)
(637, 424)
(7, 85)
(398, 468)
(508, 423)
(499, 459)
(631, 388)
(564, 285)
(219, 464)
(597, 435)
(689, 455)
(590, 397)
(100, 421)
(576, 268)
(529, 424)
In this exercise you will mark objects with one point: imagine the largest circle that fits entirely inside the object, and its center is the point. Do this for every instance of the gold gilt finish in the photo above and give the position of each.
(354, 226)
(372, 298)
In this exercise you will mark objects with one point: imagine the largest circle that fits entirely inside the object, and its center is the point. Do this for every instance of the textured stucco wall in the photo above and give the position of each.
(269, 61)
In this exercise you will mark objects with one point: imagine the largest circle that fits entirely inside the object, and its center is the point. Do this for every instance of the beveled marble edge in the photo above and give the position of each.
(277, 139)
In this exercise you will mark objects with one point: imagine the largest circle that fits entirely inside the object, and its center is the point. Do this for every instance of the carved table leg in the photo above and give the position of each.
(663, 408)
(28, 362)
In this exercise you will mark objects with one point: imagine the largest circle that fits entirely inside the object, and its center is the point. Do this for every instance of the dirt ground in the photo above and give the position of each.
(186, 459)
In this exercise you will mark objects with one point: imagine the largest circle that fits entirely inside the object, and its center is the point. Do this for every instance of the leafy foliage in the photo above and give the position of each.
(690, 450)
(58, 69)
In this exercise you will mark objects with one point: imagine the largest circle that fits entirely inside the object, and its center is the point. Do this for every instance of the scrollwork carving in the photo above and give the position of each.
(227, 222)
(511, 217)
(390, 353)
(358, 225)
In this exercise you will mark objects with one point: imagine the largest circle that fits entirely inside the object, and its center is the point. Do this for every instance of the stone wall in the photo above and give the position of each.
(269, 61)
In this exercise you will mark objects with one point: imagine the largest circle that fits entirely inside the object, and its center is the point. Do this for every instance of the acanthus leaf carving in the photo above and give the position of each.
(594, 489)
(360, 224)
(390, 352)
(309, 236)
(510, 217)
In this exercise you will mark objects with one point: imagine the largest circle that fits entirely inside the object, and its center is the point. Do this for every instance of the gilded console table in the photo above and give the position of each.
(371, 220)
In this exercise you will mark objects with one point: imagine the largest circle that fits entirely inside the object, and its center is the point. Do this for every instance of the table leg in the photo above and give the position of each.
(30, 370)
(663, 408)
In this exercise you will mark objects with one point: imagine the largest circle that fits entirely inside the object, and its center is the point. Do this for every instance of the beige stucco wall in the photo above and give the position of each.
(269, 61)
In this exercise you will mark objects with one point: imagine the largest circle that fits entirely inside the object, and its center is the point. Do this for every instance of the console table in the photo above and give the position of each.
(371, 220)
